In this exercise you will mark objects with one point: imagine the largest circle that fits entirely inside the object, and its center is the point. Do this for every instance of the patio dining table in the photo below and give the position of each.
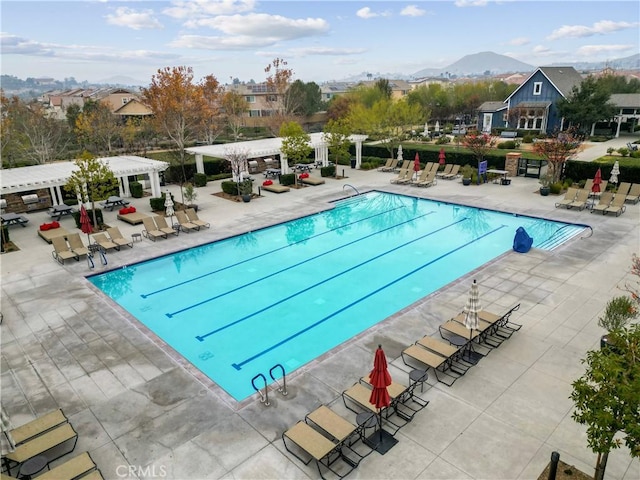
(14, 219)
(113, 202)
(58, 211)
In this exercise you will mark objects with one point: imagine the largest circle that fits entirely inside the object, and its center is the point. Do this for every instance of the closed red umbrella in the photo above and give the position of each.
(597, 180)
(380, 379)
(441, 157)
(85, 221)
(416, 164)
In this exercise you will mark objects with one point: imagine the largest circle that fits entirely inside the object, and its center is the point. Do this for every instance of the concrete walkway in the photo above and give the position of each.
(143, 412)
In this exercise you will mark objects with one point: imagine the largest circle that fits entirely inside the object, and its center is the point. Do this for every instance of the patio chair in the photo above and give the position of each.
(486, 330)
(104, 242)
(569, 197)
(617, 205)
(76, 244)
(505, 327)
(61, 251)
(422, 177)
(164, 227)
(429, 181)
(77, 467)
(185, 224)
(439, 364)
(49, 444)
(402, 176)
(337, 428)
(116, 237)
(316, 447)
(356, 399)
(446, 171)
(453, 174)
(192, 215)
(588, 185)
(623, 189)
(582, 197)
(388, 165)
(38, 426)
(403, 399)
(634, 193)
(603, 202)
(151, 230)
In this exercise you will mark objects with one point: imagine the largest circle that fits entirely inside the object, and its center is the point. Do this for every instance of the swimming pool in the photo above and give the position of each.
(288, 293)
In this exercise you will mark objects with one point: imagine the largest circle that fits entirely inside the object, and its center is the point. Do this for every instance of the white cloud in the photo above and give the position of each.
(599, 28)
(262, 25)
(182, 9)
(518, 41)
(12, 44)
(470, 3)
(238, 42)
(130, 18)
(326, 51)
(366, 13)
(412, 11)
(600, 50)
(346, 61)
(541, 50)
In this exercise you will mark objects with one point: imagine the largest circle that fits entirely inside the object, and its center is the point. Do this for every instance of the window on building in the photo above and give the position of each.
(125, 100)
(537, 88)
(254, 113)
(250, 99)
(272, 98)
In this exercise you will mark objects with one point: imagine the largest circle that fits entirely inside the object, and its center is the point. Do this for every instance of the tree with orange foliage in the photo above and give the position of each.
(557, 149)
(279, 79)
(182, 109)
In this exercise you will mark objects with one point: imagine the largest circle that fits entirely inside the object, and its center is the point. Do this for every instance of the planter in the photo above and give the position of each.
(505, 181)
(466, 181)
(544, 191)
(605, 344)
(246, 198)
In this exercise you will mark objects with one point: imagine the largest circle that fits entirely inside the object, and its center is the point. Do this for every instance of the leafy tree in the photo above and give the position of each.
(92, 181)
(479, 145)
(179, 108)
(295, 143)
(618, 84)
(278, 82)
(305, 98)
(384, 87)
(336, 134)
(72, 114)
(237, 157)
(213, 123)
(587, 104)
(339, 107)
(234, 106)
(607, 396)
(97, 128)
(557, 149)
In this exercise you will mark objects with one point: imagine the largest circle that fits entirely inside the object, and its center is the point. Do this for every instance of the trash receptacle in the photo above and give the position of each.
(353, 163)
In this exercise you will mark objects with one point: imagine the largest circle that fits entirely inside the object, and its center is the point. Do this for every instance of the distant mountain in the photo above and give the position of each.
(627, 63)
(478, 64)
(122, 81)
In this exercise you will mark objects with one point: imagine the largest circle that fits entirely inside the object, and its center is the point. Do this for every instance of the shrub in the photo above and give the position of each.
(229, 187)
(442, 140)
(610, 150)
(527, 139)
(619, 312)
(508, 145)
(555, 188)
(624, 151)
(5, 236)
(200, 179)
(329, 171)
(220, 176)
(368, 166)
(136, 189)
(100, 220)
(288, 179)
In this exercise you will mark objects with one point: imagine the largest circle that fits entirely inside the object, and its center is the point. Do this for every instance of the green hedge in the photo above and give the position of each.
(5, 237)
(157, 203)
(136, 189)
(76, 217)
(230, 187)
(212, 166)
(287, 179)
(629, 169)
(329, 171)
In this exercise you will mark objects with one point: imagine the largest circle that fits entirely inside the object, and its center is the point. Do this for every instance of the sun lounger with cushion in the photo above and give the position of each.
(134, 218)
(446, 171)
(185, 224)
(357, 397)
(192, 215)
(275, 188)
(106, 244)
(116, 237)
(312, 180)
(623, 189)
(61, 251)
(162, 225)
(453, 174)
(151, 230)
(603, 202)
(617, 205)
(505, 327)
(431, 360)
(422, 176)
(634, 193)
(316, 447)
(429, 181)
(404, 175)
(47, 235)
(386, 166)
(588, 185)
(38, 426)
(77, 247)
(48, 444)
(77, 467)
(569, 198)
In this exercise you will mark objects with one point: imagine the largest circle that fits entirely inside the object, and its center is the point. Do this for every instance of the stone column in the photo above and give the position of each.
(511, 163)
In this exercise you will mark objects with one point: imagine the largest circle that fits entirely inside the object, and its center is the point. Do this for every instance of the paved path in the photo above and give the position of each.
(136, 405)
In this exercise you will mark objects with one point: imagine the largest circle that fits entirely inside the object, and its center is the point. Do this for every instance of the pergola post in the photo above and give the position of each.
(199, 163)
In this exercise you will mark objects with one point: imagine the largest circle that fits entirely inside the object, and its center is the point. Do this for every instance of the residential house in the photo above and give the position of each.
(492, 115)
(399, 88)
(426, 81)
(57, 102)
(329, 90)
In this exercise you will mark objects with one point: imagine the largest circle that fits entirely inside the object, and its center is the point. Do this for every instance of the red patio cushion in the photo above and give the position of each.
(267, 183)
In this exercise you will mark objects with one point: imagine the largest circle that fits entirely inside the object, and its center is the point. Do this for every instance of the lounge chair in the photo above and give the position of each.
(151, 230)
(61, 251)
(357, 397)
(47, 235)
(48, 444)
(316, 447)
(116, 237)
(337, 428)
(406, 165)
(192, 215)
(588, 185)
(453, 174)
(38, 426)
(78, 467)
(162, 225)
(404, 175)
(634, 193)
(429, 181)
(185, 224)
(446, 171)
(134, 218)
(431, 360)
(312, 181)
(422, 177)
(603, 202)
(569, 197)
(76, 244)
(275, 188)
(105, 244)
(623, 189)
(387, 166)
(582, 197)
(485, 330)
(617, 205)
(504, 326)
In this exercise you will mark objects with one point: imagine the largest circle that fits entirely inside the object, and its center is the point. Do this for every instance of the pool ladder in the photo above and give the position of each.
(264, 393)
(349, 185)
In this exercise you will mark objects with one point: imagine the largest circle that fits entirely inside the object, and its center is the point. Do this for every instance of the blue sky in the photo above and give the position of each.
(321, 40)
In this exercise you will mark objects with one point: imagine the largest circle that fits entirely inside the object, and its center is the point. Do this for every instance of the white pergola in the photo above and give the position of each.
(55, 175)
(268, 147)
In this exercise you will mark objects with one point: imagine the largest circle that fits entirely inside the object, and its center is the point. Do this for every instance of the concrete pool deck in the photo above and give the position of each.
(135, 404)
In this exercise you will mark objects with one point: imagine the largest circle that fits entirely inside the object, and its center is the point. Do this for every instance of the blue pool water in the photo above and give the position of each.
(289, 293)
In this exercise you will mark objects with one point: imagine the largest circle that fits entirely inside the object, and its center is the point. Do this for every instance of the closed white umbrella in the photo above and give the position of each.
(471, 310)
(615, 171)
(168, 204)
(400, 153)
